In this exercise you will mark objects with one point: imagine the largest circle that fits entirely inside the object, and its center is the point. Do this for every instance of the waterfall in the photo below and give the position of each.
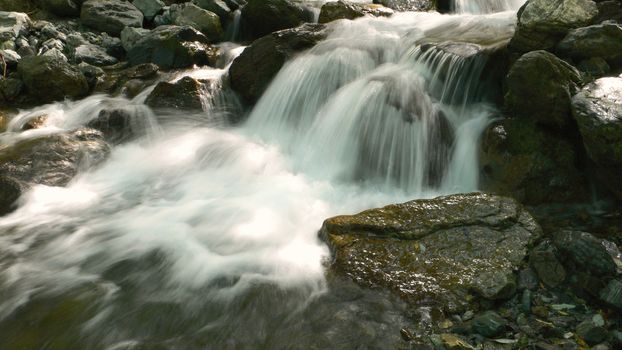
(201, 234)
(484, 6)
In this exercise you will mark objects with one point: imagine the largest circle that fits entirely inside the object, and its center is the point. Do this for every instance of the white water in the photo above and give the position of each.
(364, 119)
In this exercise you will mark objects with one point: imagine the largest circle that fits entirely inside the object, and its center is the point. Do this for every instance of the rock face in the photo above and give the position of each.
(110, 16)
(539, 87)
(251, 72)
(262, 17)
(53, 160)
(597, 109)
(202, 20)
(602, 40)
(542, 23)
(532, 164)
(433, 251)
(170, 47)
(50, 78)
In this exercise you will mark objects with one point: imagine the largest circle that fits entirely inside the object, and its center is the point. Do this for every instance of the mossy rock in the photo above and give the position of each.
(436, 251)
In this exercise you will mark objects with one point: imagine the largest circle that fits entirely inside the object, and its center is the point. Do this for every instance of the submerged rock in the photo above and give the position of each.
(52, 160)
(110, 16)
(539, 87)
(432, 251)
(50, 78)
(543, 23)
(597, 109)
(252, 71)
(262, 17)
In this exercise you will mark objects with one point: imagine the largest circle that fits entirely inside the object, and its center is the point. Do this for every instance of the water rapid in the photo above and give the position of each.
(202, 234)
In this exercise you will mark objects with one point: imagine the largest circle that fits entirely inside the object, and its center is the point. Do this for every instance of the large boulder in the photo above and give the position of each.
(262, 17)
(50, 78)
(171, 47)
(202, 20)
(434, 251)
(601, 40)
(252, 71)
(521, 159)
(62, 8)
(52, 160)
(539, 87)
(543, 23)
(110, 16)
(597, 109)
(408, 5)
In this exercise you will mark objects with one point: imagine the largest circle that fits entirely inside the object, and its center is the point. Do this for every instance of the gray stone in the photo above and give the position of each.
(13, 24)
(94, 55)
(544, 260)
(218, 7)
(110, 16)
(202, 20)
(543, 23)
(597, 108)
(432, 251)
(489, 324)
(586, 251)
(171, 47)
(149, 8)
(539, 87)
(55, 53)
(591, 332)
(602, 40)
(131, 35)
(612, 293)
(51, 78)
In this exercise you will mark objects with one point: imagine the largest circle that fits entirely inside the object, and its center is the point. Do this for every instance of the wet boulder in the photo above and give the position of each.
(434, 251)
(252, 71)
(408, 5)
(110, 16)
(114, 78)
(219, 7)
(601, 40)
(533, 164)
(171, 47)
(49, 78)
(543, 23)
(121, 124)
(186, 94)
(539, 88)
(597, 108)
(53, 160)
(204, 21)
(262, 17)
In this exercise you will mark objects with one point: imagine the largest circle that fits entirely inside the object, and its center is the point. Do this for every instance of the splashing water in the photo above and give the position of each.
(204, 236)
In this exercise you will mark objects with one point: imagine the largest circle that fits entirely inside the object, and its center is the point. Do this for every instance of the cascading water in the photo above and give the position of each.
(203, 235)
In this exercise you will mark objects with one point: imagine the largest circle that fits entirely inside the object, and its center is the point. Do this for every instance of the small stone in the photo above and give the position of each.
(453, 342)
(489, 324)
(591, 333)
(526, 300)
(612, 293)
(540, 311)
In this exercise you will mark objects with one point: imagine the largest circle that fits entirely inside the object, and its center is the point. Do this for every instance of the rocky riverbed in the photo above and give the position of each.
(529, 262)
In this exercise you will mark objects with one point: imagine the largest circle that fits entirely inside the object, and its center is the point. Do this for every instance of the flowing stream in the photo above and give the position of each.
(203, 235)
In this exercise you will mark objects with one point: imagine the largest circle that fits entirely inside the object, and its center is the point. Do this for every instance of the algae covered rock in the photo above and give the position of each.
(434, 251)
